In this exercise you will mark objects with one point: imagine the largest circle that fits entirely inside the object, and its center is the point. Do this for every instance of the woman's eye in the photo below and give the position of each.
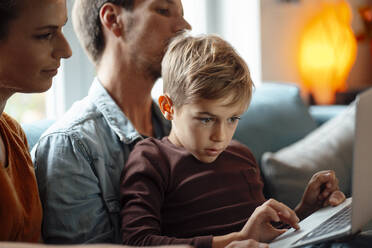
(46, 36)
(164, 12)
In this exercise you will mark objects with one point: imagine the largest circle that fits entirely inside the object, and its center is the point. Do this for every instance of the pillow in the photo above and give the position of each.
(330, 147)
(276, 118)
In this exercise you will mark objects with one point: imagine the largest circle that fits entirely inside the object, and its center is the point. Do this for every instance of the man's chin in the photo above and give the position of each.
(154, 73)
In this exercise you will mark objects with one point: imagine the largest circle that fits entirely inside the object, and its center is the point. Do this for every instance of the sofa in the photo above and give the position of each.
(291, 140)
(277, 119)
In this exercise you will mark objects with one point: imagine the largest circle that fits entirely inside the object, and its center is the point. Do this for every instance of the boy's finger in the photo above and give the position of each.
(323, 180)
(329, 189)
(336, 198)
(286, 214)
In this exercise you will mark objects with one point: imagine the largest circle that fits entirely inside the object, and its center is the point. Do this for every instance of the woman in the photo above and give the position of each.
(31, 47)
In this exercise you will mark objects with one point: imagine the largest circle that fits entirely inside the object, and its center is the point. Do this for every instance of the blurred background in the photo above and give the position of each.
(323, 46)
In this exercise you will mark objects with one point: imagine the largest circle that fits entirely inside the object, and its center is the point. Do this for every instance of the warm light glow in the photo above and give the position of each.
(327, 51)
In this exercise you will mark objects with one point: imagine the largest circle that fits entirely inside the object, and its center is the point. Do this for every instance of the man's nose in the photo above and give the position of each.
(182, 25)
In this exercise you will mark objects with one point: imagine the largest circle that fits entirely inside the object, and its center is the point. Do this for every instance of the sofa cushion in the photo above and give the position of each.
(323, 113)
(276, 117)
(329, 147)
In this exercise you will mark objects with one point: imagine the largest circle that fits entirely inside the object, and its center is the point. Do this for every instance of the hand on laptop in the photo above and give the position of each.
(321, 191)
(249, 243)
(259, 225)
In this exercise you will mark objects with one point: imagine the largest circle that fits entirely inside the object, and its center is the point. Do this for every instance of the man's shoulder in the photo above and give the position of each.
(79, 117)
(81, 125)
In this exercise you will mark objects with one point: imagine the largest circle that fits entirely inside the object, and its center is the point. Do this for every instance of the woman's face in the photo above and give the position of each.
(30, 54)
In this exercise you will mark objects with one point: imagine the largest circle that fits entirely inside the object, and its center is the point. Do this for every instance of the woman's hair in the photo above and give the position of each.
(8, 11)
(204, 67)
(88, 27)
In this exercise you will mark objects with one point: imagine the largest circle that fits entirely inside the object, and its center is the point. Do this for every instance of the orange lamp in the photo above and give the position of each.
(327, 51)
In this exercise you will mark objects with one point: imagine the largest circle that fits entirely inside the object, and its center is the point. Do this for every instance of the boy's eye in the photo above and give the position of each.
(205, 120)
(163, 11)
(234, 119)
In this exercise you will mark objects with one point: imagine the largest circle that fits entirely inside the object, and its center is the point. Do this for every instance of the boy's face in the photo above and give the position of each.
(205, 128)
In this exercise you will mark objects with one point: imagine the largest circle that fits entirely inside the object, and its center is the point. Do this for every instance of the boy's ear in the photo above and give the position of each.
(109, 16)
(166, 106)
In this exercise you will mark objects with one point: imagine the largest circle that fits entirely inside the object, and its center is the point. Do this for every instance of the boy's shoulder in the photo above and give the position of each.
(151, 142)
(153, 146)
(241, 150)
(236, 145)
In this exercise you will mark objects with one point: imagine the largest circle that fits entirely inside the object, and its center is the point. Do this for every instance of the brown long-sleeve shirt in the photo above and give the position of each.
(170, 197)
(20, 207)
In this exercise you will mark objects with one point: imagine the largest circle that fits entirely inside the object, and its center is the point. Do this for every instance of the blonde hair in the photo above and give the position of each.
(204, 67)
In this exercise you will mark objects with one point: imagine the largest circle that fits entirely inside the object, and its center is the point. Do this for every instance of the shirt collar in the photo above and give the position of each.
(117, 120)
(113, 115)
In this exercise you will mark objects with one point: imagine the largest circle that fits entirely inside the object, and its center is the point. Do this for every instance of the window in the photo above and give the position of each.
(26, 108)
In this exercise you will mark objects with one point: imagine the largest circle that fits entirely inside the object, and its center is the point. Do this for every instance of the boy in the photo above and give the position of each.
(197, 186)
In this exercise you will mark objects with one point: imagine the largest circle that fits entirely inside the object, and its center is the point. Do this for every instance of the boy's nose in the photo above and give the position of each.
(218, 134)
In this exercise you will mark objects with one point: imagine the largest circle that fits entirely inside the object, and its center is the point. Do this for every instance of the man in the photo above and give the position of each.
(78, 161)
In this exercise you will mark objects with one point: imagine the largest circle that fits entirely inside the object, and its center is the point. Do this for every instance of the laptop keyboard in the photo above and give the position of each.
(337, 222)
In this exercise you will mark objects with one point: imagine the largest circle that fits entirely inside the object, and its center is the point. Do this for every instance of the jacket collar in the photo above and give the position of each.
(117, 120)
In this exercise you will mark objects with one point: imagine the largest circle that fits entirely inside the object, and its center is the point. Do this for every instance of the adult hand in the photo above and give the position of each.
(321, 191)
(249, 243)
(259, 225)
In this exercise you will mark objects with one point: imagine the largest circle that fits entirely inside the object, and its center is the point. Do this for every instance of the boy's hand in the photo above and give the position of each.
(321, 191)
(259, 225)
(249, 243)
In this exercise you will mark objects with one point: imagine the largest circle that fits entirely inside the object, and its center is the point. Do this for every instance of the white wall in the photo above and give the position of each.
(74, 78)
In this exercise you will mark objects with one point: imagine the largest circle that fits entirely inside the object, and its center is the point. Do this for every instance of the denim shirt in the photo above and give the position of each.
(78, 163)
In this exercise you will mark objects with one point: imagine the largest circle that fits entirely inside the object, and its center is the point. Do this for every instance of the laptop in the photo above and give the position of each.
(356, 211)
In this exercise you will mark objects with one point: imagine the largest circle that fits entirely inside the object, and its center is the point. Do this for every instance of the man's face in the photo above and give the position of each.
(34, 46)
(149, 28)
(205, 128)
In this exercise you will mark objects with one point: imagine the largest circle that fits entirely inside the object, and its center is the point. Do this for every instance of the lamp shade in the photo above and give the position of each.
(327, 51)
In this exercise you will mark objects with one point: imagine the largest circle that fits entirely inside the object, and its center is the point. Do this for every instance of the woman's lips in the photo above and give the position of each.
(50, 72)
